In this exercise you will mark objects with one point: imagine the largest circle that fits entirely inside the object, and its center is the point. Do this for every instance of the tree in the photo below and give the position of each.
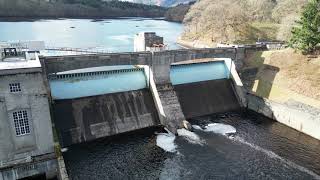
(216, 20)
(306, 36)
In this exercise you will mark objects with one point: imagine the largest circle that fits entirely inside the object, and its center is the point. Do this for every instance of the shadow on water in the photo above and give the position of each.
(133, 154)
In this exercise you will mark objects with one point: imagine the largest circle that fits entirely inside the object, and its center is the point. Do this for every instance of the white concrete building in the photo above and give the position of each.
(148, 41)
(26, 138)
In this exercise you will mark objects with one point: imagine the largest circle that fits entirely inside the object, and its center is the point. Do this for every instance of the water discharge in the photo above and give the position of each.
(191, 137)
(217, 128)
(259, 149)
(166, 142)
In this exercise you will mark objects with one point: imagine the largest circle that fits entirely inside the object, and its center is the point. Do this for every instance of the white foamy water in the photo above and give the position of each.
(197, 127)
(166, 142)
(275, 156)
(191, 137)
(220, 128)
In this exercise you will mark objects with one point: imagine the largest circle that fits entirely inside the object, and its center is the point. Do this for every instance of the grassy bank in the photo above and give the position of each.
(283, 75)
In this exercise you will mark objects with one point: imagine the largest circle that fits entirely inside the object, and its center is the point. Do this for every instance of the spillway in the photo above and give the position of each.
(204, 88)
(90, 105)
(85, 84)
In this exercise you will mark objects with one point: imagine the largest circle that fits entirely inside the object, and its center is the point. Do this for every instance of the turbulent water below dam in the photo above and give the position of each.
(223, 146)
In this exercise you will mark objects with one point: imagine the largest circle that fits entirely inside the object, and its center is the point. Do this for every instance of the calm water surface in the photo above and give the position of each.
(114, 35)
(260, 149)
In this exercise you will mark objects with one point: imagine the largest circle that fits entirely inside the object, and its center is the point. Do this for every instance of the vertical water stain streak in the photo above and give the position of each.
(94, 117)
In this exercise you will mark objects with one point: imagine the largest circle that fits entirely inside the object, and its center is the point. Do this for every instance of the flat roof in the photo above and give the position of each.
(19, 64)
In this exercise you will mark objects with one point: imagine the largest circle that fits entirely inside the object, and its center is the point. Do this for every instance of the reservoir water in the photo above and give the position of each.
(110, 35)
(224, 146)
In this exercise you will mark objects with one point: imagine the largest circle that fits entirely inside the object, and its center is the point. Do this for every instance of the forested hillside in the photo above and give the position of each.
(165, 3)
(177, 13)
(243, 21)
(76, 9)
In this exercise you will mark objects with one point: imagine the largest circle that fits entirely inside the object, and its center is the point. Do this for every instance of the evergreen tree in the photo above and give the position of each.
(306, 36)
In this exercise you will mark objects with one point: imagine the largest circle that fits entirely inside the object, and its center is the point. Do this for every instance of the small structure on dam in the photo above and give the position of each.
(26, 138)
(148, 41)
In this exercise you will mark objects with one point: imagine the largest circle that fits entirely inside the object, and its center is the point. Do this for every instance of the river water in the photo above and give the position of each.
(224, 146)
(110, 35)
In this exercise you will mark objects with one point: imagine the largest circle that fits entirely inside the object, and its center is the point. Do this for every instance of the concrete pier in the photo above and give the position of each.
(171, 106)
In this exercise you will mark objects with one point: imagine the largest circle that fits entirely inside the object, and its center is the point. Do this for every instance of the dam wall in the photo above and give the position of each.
(159, 61)
(305, 120)
(206, 97)
(90, 102)
(206, 88)
(85, 119)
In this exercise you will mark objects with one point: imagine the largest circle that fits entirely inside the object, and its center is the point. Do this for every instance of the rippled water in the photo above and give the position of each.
(259, 149)
(114, 35)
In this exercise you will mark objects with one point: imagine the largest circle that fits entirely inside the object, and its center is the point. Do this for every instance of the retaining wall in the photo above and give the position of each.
(297, 118)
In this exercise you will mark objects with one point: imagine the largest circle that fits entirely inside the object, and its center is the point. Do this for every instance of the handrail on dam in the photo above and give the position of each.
(86, 74)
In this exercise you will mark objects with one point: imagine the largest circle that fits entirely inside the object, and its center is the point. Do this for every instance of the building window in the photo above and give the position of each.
(15, 87)
(21, 122)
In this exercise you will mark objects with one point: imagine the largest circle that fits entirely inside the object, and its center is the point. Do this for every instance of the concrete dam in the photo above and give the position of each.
(103, 116)
(94, 100)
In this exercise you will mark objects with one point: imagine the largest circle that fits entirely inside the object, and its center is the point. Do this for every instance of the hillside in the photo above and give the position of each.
(172, 3)
(241, 21)
(165, 3)
(76, 9)
(177, 13)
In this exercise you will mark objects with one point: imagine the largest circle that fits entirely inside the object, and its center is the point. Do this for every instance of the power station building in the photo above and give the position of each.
(26, 136)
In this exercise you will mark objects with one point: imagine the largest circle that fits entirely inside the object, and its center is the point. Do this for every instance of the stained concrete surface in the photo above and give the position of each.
(85, 119)
(207, 97)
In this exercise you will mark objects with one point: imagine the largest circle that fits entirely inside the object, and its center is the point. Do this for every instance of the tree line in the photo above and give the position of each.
(243, 21)
(76, 9)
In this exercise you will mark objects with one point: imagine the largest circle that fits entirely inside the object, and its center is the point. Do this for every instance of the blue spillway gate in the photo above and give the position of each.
(197, 72)
(77, 85)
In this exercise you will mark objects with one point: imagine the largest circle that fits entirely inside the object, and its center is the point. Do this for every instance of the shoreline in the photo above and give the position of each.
(94, 18)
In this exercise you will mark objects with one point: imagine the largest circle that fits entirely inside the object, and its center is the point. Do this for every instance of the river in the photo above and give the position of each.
(238, 146)
(110, 35)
